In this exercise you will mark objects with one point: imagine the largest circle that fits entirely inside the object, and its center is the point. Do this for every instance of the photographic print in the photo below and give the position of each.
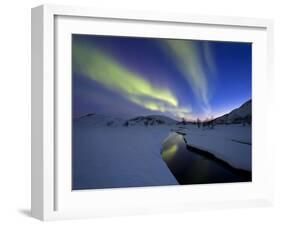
(158, 112)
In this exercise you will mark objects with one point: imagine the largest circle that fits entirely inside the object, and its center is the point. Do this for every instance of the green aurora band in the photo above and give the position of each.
(105, 70)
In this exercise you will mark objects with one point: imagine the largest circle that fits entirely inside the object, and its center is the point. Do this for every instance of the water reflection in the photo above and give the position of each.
(192, 168)
(169, 152)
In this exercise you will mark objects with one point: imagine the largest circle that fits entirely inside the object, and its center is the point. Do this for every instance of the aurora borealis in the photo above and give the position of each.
(142, 76)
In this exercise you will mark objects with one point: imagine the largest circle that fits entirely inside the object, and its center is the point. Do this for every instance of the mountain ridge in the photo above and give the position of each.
(242, 114)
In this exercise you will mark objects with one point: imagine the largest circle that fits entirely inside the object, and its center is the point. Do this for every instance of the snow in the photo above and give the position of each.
(98, 120)
(119, 156)
(230, 143)
(116, 154)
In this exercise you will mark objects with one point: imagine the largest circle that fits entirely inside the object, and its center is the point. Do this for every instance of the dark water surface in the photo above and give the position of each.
(191, 167)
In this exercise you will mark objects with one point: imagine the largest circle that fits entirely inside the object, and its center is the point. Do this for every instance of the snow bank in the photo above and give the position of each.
(108, 157)
(231, 143)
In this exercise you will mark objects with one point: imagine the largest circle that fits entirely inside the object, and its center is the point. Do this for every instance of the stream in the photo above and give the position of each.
(191, 167)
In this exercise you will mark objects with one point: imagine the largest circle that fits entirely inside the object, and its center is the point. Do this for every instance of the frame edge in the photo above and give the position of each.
(37, 162)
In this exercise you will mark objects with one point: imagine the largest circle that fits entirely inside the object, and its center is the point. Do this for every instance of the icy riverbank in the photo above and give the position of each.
(230, 143)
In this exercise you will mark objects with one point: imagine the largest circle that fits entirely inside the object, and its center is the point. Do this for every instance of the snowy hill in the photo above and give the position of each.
(151, 120)
(243, 114)
(99, 120)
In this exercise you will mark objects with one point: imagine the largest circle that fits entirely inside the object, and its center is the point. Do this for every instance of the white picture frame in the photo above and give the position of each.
(52, 197)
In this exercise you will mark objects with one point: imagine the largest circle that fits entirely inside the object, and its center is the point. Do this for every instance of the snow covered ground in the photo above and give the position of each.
(231, 143)
(108, 152)
(107, 157)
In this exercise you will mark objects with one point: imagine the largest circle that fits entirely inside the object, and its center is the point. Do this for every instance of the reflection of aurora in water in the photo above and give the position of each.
(169, 152)
(192, 168)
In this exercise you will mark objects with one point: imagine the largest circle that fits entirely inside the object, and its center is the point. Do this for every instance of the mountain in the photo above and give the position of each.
(101, 120)
(150, 120)
(243, 114)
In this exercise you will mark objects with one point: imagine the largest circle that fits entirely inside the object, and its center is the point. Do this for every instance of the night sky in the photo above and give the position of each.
(126, 76)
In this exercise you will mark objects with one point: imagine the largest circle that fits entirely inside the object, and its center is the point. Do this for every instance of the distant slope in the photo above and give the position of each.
(150, 120)
(243, 114)
(100, 120)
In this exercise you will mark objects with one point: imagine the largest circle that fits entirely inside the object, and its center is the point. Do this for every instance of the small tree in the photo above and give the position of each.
(212, 123)
(206, 123)
(198, 123)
